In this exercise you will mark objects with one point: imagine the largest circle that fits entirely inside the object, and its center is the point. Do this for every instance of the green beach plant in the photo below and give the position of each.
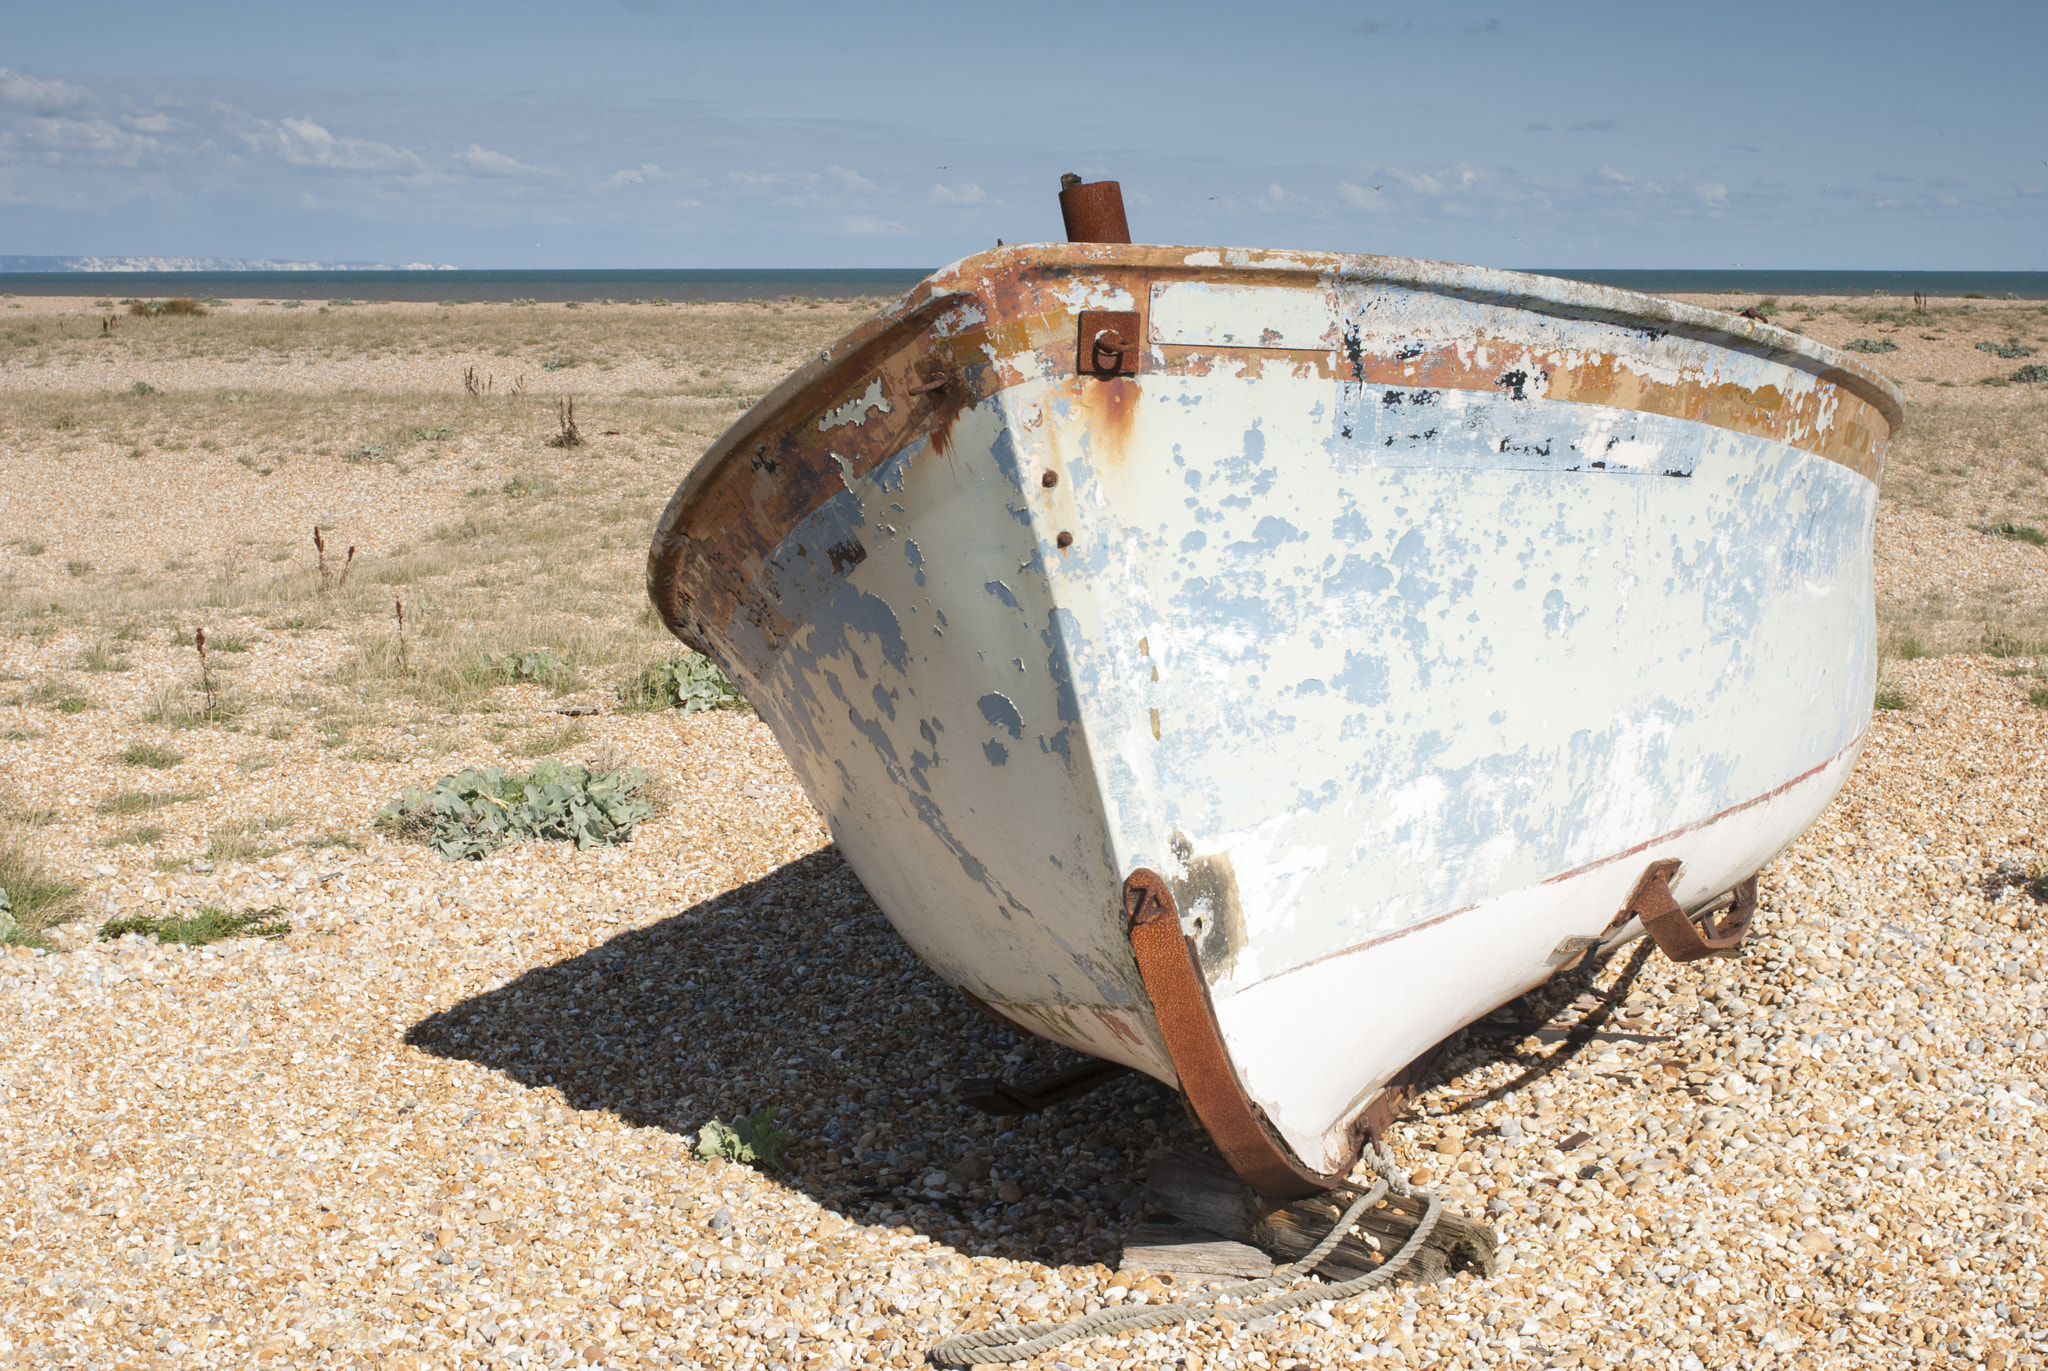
(753, 1139)
(692, 683)
(477, 811)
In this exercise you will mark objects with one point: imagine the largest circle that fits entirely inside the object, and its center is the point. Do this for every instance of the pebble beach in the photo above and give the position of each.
(452, 1117)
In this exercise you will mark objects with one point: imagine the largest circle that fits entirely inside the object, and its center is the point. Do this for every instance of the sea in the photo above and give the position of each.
(779, 283)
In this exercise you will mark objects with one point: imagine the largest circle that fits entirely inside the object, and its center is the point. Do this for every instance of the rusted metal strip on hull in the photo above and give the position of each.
(1187, 1020)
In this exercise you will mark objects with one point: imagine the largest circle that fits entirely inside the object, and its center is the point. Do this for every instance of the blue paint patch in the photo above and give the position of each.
(1268, 536)
(1004, 451)
(885, 701)
(1248, 467)
(915, 557)
(1272, 531)
(870, 614)
(1001, 592)
(1061, 624)
(1364, 679)
(889, 475)
(1218, 602)
(1349, 527)
(1194, 541)
(1558, 616)
(996, 753)
(1358, 576)
(872, 730)
(1001, 712)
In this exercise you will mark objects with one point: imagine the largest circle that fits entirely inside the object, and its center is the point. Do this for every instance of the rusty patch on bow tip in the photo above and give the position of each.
(1172, 972)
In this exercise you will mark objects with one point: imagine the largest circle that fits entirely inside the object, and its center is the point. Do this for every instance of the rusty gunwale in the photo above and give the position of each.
(1009, 302)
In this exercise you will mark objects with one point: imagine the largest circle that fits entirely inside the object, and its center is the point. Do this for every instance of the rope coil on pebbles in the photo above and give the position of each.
(996, 1345)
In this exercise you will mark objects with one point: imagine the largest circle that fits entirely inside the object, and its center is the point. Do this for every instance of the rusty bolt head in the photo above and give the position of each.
(1065, 540)
(1049, 480)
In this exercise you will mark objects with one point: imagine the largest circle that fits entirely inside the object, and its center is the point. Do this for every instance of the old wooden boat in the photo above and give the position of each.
(1252, 666)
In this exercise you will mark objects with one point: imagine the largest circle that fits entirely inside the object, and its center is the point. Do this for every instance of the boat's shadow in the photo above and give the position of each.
(792, 991)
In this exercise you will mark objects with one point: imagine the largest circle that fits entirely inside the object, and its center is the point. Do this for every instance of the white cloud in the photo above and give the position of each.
(966, 193)
(1422, 183)
(485, 162)
(151, 123)
(39, 96)
(304, 143)
(1359, 197)
(631, 176)
(853, 180)
(87, 140)
(1608, 173)
(1712, 194)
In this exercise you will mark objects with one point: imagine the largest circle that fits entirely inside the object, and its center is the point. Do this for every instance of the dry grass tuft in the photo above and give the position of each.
(180, 306)
(32, 900)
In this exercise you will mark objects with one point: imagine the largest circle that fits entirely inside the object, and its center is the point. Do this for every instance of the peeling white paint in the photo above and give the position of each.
(855, 411)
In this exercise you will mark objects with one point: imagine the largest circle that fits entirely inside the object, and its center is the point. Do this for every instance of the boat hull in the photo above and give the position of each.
(1396, 615)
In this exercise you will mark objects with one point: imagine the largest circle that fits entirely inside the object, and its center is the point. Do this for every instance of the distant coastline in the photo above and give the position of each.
(415, 283)
(126, 265)
(481, 287)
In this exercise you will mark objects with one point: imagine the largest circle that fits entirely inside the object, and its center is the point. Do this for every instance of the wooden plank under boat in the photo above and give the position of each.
(1252, 666)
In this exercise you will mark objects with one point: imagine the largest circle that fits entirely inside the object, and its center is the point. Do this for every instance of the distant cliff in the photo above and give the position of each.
(198, 264)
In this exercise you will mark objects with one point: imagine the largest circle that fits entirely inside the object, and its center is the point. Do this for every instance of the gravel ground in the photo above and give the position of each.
(451, 1118)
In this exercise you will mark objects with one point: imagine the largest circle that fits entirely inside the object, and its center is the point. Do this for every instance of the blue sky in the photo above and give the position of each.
(619, 133)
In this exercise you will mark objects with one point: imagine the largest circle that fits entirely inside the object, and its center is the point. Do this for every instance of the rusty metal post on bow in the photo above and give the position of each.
(1093, 211)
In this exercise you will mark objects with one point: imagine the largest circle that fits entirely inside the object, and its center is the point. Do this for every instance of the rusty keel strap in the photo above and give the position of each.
(1676, 934)
(1187, 1020)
